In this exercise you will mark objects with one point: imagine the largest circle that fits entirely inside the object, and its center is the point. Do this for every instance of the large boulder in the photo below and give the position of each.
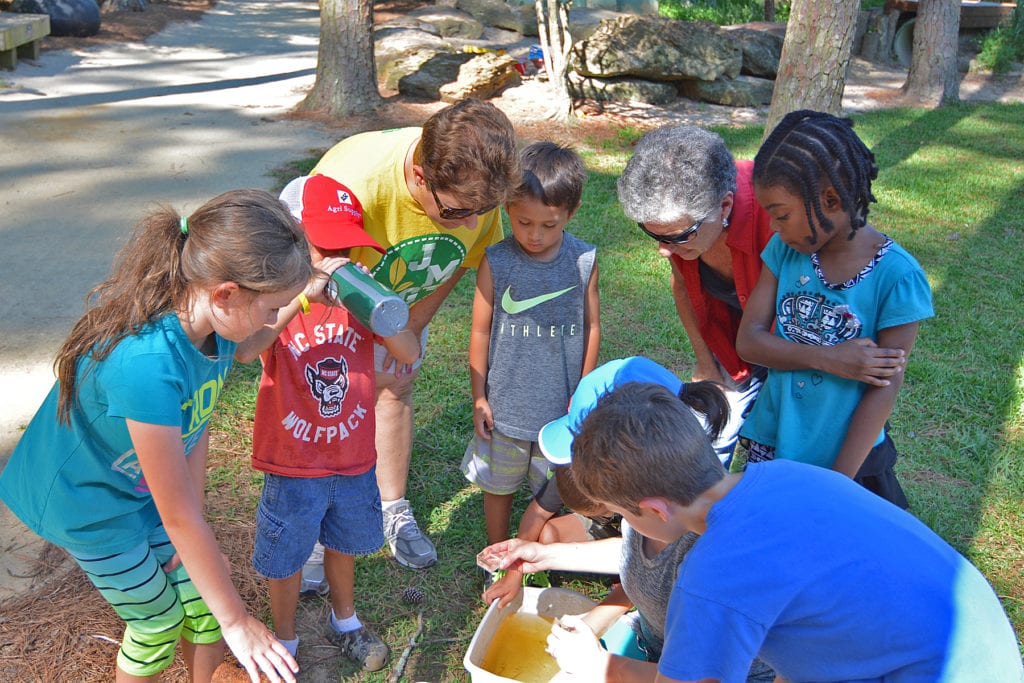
(396, 46)
(583, 21)
(621, 89)
(876, 29)
(528, 19)
(67, 17)
(441, 69)
(392, 70)
(658, 49)
(761, 50)
(448, 22)
(495, 13)
(742, 91)
(482, 77)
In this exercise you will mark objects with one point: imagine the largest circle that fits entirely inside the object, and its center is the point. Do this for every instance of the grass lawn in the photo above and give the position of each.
(951, 190)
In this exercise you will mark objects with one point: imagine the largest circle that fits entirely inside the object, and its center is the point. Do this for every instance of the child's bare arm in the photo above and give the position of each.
(508, 586)
(755, 342)
(479, 344)
(861, 360)
(533, 520)
(174, 492)
(591, 324)
(251, 348)
(403, 347)
(615, 604)
(875, 405)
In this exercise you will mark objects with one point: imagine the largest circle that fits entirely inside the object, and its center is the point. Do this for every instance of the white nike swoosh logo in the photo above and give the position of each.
(512, 307)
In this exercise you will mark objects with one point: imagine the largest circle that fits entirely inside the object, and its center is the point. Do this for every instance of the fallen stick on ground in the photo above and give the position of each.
(396, 675)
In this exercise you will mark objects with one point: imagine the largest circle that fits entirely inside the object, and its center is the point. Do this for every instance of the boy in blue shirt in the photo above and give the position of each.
(843, 586)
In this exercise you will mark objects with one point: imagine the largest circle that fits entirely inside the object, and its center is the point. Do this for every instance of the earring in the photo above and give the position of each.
(725, 223)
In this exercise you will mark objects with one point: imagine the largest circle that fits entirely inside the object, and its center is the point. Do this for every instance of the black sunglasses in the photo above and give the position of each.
(681, 238)
(450, 214)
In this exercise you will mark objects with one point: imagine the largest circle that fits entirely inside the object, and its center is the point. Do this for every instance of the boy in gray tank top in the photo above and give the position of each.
(535, 332)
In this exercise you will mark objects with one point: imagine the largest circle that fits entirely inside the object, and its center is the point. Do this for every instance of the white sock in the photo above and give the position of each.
(345, 625)
(388, 504)
(292, 645)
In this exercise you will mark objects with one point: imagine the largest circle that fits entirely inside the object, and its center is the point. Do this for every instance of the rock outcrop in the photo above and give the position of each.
(448, 51)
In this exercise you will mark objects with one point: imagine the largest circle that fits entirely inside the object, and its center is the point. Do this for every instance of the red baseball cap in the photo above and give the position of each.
(330, 214)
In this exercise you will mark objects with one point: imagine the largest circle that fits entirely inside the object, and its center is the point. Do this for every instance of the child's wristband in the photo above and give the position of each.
(304, 302)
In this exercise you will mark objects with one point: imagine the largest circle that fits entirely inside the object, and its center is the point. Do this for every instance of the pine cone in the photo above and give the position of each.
(412, 596)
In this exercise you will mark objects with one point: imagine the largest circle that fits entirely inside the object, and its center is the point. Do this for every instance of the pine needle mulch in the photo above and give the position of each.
(63, 630)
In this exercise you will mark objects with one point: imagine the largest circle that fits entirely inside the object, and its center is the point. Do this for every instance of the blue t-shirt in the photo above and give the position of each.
(839, 585)
(80, 486)
(804, 413)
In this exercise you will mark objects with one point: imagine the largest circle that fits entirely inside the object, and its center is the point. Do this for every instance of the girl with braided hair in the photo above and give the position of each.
(835, 312)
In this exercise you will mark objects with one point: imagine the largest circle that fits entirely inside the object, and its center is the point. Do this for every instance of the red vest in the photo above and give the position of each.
(748, 235)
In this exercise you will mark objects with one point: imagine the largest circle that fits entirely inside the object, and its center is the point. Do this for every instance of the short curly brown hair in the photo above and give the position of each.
(468, 150)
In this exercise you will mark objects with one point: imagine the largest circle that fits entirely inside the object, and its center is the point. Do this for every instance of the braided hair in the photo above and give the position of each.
(811, 149)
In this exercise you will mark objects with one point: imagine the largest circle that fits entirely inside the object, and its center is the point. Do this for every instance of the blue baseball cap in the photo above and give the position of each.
(555, 438)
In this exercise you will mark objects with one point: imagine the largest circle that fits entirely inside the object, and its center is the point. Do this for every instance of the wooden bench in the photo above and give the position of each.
(20, 35)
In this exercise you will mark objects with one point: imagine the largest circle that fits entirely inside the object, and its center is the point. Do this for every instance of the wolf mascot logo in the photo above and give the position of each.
(328, 382)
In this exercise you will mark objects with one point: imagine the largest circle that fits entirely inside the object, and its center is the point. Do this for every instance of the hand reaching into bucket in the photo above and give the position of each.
(530, 556)
(505, 588)
(577, 650)
(515, 553)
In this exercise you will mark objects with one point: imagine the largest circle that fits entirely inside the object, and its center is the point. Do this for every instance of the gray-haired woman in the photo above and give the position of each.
(685, 190)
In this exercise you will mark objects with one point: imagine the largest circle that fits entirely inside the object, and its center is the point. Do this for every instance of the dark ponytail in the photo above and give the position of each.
(707, 399)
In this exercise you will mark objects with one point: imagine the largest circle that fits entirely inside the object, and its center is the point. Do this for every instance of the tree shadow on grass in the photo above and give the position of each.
(958, 420)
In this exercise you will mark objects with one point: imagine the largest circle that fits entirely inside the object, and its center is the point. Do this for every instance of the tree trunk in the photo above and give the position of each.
(769, 10)
(933, 79)
(555, 41)
(346, 75)
(815, 57)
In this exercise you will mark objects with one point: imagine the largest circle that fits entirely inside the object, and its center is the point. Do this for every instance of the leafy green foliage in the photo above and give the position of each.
(722, 12)
(1003, 46)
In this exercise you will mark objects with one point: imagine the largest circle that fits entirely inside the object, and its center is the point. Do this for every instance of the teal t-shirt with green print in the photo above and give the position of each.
(80, 486)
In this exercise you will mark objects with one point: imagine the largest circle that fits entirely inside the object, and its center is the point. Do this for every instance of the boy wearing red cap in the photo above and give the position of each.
(314, 430)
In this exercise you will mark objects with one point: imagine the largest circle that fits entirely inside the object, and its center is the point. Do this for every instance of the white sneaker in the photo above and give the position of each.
(409, 545)
(313, 579)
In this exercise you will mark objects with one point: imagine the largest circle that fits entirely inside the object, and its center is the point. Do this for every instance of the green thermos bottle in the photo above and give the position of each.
(373, 304)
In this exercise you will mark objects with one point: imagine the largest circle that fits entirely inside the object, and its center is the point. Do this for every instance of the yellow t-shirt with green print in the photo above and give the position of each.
(420, 255)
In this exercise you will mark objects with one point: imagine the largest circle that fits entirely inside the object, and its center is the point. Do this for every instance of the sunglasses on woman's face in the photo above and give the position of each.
(451, 214)
(679, 238)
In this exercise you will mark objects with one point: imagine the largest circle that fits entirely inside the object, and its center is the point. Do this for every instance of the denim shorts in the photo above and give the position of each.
(342, 512)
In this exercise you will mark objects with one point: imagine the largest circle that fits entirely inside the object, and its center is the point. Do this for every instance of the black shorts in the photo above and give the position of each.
(878, 476)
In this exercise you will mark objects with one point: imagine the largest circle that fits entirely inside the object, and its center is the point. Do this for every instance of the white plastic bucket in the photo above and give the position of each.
(544, 602)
